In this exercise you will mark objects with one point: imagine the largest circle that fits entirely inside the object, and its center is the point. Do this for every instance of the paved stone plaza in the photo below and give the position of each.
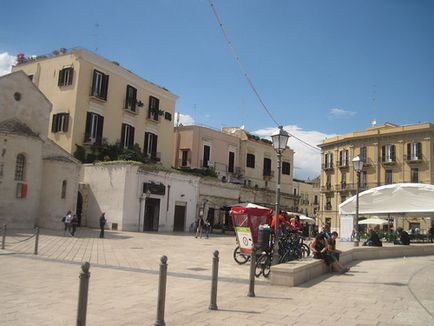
(43, 289)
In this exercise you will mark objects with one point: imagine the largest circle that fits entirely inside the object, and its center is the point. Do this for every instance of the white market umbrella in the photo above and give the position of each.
(303, 218)
(376, 221)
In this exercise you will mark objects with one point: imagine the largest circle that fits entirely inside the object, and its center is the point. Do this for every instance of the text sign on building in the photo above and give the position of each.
(154, 188)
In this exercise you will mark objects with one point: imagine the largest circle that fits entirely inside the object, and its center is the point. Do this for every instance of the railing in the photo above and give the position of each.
(327, 167)
(342, 165)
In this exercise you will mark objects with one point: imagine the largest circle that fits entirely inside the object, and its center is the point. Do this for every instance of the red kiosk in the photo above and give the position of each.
(247, 218)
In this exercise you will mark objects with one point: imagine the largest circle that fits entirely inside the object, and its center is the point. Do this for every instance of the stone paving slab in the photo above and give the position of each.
(43, 289)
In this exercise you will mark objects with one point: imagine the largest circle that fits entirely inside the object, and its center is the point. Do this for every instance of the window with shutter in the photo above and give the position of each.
(266, 171)
(94, 128)
(150, 145)
(60, 122)
(231, 162)
(127, 136)
(65, 76)
(206, 155)
(131, 98)
(154, 108)
(100, 85)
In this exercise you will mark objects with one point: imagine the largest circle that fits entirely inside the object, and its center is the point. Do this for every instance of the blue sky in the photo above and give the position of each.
(321, 67)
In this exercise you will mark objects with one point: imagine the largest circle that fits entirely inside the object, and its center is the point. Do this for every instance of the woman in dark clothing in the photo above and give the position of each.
(102, 222)
(320, 249)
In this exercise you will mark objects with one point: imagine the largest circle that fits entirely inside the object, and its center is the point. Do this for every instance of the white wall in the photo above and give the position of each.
(116, 189)
(20, 212)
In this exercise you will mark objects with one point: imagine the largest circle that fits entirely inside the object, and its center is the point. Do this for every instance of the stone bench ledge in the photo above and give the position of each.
(299, 271)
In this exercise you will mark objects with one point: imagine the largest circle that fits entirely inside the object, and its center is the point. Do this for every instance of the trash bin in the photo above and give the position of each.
(263, 237)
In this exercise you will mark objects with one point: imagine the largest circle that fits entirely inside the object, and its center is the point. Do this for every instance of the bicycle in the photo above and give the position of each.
(239, 257)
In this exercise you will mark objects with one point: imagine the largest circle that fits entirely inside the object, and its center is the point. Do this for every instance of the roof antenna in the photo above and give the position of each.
(374, 121)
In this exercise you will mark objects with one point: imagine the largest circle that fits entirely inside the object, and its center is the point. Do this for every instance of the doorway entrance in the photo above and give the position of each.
(179, 221)
(79, 207)
(152, 214)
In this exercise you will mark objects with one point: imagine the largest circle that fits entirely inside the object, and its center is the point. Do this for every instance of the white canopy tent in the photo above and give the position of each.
(397, 200)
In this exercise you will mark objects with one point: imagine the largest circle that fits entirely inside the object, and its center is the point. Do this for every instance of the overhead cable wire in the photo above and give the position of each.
(246, 75)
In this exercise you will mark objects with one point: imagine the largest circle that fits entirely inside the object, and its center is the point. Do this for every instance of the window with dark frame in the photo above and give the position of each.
(184, 159)
(286, 168)
(154, 108)
(20, 166)
(60, 122)
(363, 154)
(231, 162)
(65, 76)
(328, 160)
(343, 158)
(250, 161)
(150, 146)
(63, 193)
(388, 153)
(414, 151)
(266, 170)
(100, 83)
(206, 156)
(94, 128)
(127, 136)
(131, 98)
(388, 177)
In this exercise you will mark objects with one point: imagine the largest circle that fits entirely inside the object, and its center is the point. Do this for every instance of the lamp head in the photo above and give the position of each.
(357, 164)
(280, 139)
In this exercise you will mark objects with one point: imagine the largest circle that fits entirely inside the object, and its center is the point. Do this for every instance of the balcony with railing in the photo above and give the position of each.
(327, 188)
(328, 166)
(414, 158)
(342, 164)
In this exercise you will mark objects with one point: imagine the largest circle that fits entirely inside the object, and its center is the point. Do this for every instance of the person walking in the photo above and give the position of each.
(74, 224)
(199, 223)
(102, 222)
(67, 222)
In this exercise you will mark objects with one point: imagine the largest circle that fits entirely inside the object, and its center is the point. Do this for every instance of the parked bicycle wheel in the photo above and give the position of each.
(305, 250)
(267, 266)
(240, 257)
(260, 263)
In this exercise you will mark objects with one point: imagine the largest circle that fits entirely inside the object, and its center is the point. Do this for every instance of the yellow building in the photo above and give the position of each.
(97, 101)
(391, 154)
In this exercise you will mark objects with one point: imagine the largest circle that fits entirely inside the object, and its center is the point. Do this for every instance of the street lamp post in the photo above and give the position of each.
(280, 139)
(358, 166)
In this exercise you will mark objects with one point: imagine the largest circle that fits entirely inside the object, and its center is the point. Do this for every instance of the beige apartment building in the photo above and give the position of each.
(237, 157)
(198, 147)
(308, 192)
(258, 162)
(391, 154)
(96, 100)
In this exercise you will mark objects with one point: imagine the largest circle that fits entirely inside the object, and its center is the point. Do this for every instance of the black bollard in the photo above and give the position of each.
(252, 274)
(215, 274)
(3, 236)
(161, 292)
(82, 294)
(36, 241)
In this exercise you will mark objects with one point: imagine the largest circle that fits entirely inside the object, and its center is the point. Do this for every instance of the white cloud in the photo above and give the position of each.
(307, 160)
(184, 119)
(6, 62)
(339, 113)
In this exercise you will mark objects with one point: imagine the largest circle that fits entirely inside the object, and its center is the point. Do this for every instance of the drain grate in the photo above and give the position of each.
(197, 269)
